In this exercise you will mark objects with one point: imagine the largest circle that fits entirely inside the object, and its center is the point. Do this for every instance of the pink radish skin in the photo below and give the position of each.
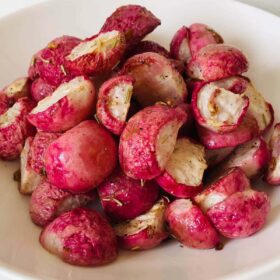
(49, 63)
(144, 232)
(240, 215)
(48, 202)
(252, 157)
(217, 61)
(236, 84)
(232, 181)
(134, 21)
(14, 129)
(190, 226)
(41, 89)
(272, 175)
(180, 45)
(96, 55)
(124, 198)
(81, 237)
(202, 35)
(218, 109)
(71, 103)
(114, 102)
(245, 132)
(81, 158)
(184, 170)
(148, 141)
(155, 74)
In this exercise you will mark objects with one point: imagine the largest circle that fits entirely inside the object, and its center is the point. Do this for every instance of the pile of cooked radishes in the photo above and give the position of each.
(169, 139)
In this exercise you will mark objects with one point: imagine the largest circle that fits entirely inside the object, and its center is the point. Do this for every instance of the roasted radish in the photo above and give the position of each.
(49, 63)
(17, 89)
(240, 215)
(202, 35)
(96, 55)
(81, 158)
(81, 237)
(188, 224)
(14, 129)
(213, 157)
(41, 89)
(114, 102)
(124, 198)
(236, 84)
(245, 132)
(69, 104)
(148, 141)
(272, 176)
(144, 232)
(134, 21)
(252, 157)
(217, 61)
(156, 80)
(48, 202)
(218, 109)
(184, 170)
(232, 181)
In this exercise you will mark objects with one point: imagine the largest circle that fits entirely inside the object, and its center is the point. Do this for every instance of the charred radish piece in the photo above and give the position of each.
(180, 46)
(114, 102)
(184, 170)
(202, 35)
(217, 61)
(29, 179)
(96, 55)
(49, 63)
(124, 198)
(41, 89)
(252, 157)
(148, 141)
(213, 157)
(272, 176)
(245, 132)
(81, 158)
(81, 237)
(144, 232)
(48, 202)
(156, 80)
(218, 109)
(14, 129)
(188, 224)
(134, 21)
(69, 104)
(240, 215)
(234, 180)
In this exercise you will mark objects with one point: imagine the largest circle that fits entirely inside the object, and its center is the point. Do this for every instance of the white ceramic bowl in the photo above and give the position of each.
(21, 34)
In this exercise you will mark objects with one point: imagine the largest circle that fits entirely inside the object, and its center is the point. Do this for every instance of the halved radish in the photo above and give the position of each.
(148, 141)
(144, 232)
(217, 61)
(252, 157)
(68, 105)
(236, 84)
(29, 179)
(190, 226)
(272, 176)
(245, 132)
(156, 80)
(18, 88)
(96, 55)
(202, 35)
(218, 109)
(184, 170)
(113, 103)
(240, 215)
(180, 46)
(232, 181)
(14, 129)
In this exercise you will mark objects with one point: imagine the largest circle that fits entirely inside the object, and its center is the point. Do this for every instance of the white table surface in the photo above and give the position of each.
(272, 6)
